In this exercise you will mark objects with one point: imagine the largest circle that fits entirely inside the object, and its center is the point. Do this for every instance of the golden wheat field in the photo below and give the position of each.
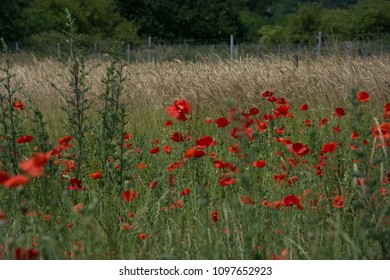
(156, 84)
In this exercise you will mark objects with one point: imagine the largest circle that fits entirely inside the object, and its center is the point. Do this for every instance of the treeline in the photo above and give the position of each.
(268, 22)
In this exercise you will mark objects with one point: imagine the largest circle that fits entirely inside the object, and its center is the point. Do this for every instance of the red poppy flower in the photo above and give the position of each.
(96, 175)
(340, 112)
(215, 216)
(177, 137)
(329, 147)
(387, 109)
(69, 165)
(235, 148)
(323, 122)
(249, 132)
(253, 111)
(267, 93)
(3, 176)
(204, 142)
(237, 132)
(155, 150)
(65, 140)
(279, 130)
(307, 122)
(226, 180)
(262, 126)
(292, 200)
(292, 180)
(24, 139)
(338, 201)
(355, 135)
(168, 123)
(130, 195)
(180, 110)
(384, 128)
(143, 236)
(282, 110)
(179, 204)
(142, 166)
(247, 200)
(15, 181)
(127, 137)
(35, 166)
(299, 149)
(75, 185)
(272, 99)
(260, 163)
(194, 153)
(18, 105)
(153, 185)
(283, 255)
(337, 129)
(222, 122)
(363, 96)
(354, 147)
(268, 117)
(175, 165)
(167, 149)
(304, 107)
(185, 192)
(286, 142)
(282, 101)
(22, 253)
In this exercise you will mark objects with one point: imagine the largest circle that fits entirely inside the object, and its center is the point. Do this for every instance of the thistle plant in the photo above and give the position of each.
(112, 116)
(10, 119)
(76, 98)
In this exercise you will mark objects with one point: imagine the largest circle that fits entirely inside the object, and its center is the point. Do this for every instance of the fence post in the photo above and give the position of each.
(128, 51)
(382, 50)
(71, 52)
(366, 50)
(58, 51)
(149, 48)
(258, 52)
(17, 50)
(319, 45)
(279, 50)
(213, 53)
(95, 49)
(159, 53)
(231, 48)
(350, 50)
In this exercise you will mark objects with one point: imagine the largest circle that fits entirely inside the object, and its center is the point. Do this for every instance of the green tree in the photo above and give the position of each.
(94, 17)
(335, 22)
(368, 18)
(271, 35)
(180, 19)
(304, 23)
(11, 22)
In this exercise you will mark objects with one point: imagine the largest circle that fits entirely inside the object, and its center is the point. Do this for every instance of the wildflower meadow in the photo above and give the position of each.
(253, 163)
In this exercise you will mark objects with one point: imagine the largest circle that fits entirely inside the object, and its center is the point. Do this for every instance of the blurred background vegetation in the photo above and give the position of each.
(38, 22)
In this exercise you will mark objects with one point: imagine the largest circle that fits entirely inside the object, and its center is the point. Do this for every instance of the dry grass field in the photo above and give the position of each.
(153, 84)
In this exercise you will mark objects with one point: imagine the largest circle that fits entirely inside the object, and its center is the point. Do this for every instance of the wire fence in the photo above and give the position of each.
(229, 49)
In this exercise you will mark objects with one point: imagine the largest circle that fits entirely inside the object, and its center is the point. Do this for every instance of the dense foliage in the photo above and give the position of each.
(130, 21)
